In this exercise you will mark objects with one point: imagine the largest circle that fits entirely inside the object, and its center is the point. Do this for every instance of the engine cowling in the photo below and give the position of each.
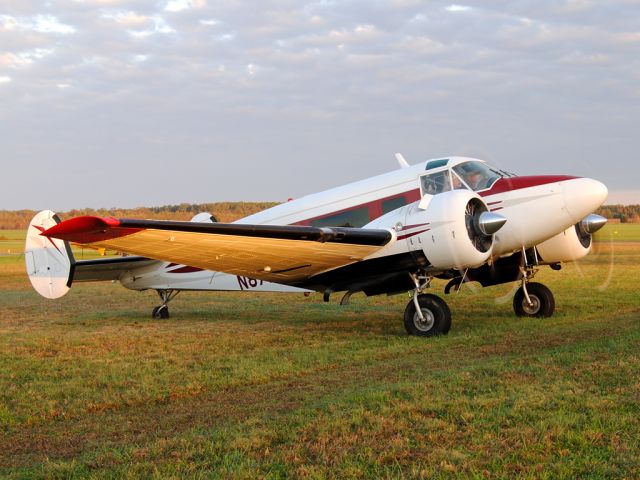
(458, 229)
(572, 244)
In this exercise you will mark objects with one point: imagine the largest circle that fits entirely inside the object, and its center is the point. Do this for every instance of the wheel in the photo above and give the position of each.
(161, 311)
(436, 314)
(542, 301)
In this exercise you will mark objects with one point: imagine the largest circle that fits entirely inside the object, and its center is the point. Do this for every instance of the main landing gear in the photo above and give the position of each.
(533, 299)
(166, 295)
(426, 315)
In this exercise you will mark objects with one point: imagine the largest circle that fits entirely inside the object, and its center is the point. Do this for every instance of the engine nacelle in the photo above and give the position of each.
(572, 244)
(458, 229)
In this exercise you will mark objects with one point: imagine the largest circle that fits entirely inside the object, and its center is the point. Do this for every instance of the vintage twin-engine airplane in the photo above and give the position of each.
(455, 218)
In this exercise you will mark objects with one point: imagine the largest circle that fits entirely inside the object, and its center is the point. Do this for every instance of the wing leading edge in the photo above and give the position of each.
(275, 253)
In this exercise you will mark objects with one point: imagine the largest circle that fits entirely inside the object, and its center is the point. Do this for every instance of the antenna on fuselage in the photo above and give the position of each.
(403, 163)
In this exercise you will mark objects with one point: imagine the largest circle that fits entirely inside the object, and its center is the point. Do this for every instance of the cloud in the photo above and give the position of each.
(133, 84)
(157, 25)
(21, 59)
(180, 5)
(127, 19)
(457, 8)
(38, 23)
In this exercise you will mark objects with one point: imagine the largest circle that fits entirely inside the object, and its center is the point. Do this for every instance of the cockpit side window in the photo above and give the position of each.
(456, 182)
(477, 175)
(435, 183)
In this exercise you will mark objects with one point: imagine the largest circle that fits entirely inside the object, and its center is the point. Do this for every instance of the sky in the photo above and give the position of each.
(125, 103)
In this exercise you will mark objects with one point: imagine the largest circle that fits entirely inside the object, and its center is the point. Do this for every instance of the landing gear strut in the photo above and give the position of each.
(166, 295)
(533, 299)
(426, 315)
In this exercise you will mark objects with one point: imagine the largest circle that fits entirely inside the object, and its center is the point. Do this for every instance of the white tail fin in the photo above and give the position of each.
(401, 161)
(49, 261)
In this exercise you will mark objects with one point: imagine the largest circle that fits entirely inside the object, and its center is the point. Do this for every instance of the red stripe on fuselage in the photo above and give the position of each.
(374, 207)
(409, 227)
(403, 237)
(518, 183)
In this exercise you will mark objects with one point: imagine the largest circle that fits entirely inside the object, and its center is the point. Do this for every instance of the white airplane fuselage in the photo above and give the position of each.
(536, 209)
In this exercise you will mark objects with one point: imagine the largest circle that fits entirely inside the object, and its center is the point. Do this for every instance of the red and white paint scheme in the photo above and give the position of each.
(455, 218)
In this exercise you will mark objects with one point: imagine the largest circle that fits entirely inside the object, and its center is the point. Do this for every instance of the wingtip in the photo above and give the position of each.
(82, 229)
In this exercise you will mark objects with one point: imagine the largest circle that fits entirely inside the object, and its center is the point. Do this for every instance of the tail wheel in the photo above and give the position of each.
(542, 301)
(436, 313)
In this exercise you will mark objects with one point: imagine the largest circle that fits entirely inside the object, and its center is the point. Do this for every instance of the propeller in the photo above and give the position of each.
(588, 226)
(481, 224)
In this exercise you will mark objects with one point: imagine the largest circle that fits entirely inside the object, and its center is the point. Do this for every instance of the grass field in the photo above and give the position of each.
(276, 386)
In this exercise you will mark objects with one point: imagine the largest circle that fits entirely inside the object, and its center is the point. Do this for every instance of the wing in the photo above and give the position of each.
(283, 254)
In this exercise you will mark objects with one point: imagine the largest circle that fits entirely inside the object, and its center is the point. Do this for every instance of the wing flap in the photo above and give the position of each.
(284, 254)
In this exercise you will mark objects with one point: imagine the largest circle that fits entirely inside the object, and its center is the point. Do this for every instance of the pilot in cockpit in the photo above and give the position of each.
(456, 183)
(473, 179)
(472, 175)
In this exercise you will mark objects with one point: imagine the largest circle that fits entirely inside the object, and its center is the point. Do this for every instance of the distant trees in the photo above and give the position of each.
(223, 211)
(624, 213)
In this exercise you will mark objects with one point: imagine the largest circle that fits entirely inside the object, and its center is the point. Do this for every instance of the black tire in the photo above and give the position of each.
(435, 310)
(161, 311)
(542, 298)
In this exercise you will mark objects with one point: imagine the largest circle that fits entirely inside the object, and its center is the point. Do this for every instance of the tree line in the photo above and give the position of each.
(225, 212)
(623, 213)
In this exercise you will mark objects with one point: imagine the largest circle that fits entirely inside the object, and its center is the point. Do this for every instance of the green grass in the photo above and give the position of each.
(619, 232)
(12, 244)
(243, 386)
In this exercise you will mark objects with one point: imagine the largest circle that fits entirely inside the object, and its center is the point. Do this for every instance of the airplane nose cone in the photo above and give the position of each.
(582, 196)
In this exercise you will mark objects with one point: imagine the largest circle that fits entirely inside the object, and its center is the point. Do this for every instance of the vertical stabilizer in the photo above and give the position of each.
(401, 161)
(49, 261)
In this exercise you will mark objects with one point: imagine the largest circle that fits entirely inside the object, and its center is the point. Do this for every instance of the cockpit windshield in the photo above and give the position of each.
(472, 175)
(477, 175)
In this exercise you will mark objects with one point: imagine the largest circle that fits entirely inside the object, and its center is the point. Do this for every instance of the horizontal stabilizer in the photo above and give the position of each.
(104, 269)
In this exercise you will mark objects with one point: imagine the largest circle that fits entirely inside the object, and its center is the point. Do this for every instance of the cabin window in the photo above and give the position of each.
(358, 217)
(435, 183)
(393, 204)
(436, 163)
